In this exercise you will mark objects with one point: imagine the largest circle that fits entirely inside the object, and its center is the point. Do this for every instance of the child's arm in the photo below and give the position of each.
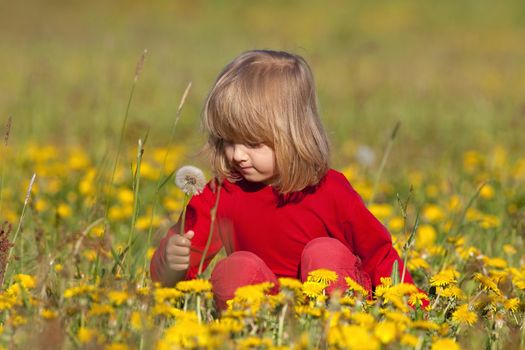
(178, 257)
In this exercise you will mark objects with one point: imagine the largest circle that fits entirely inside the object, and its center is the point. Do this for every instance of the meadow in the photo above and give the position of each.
(425, 110)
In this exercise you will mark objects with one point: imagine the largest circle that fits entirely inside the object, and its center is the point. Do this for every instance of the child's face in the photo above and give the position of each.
(256, 163)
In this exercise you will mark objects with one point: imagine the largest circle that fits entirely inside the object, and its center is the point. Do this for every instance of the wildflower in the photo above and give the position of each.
(323, 276)
(363, 319)
(354, 286)
(444, 278)
(409, 340)
(27, 281)
(511, 304)
(416, 299)
(100, 309)
(253, 342)
(313, 289)
(85, 335)
(424, 324)
(58, 267)
(487, 283)
(167, 294)
(190, 180)
(136, 321)
(118, 297)
(64, 210)
(386, 331)
(445, 344)
(48, 314)
(425, 236)
(290, 283)
(195, 286)
(463, 316)
(352, 337)
(185, 335)
(451, 292)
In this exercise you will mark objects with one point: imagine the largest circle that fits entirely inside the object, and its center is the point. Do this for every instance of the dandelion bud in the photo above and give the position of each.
(190, 180)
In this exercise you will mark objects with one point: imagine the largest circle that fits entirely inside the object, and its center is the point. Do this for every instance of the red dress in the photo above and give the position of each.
(254, 217)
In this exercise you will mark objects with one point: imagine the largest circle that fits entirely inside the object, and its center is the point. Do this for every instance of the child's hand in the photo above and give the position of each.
(178, 251)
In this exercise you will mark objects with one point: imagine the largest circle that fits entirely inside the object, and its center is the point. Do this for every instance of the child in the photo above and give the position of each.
(282, 212)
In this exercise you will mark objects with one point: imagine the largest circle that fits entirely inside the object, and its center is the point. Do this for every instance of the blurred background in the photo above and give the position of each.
(453, 72)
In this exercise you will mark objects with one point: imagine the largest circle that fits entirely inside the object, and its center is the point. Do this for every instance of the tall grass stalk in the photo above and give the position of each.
(2, 177)
(383, 161)
(136, 189)
(19, 227)
(138, 69)
(213, 215)
(161, 182)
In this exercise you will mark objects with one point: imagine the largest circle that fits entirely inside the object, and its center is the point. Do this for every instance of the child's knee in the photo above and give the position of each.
(323, 248)
(239, 269)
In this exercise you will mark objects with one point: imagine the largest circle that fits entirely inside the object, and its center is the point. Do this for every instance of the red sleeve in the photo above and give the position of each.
(198, 219)
(369, 238)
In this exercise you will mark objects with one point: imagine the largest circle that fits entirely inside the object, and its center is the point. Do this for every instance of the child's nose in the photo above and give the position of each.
(239, 153)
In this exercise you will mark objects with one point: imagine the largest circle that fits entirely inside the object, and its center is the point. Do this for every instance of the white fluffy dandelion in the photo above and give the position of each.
(190, 180)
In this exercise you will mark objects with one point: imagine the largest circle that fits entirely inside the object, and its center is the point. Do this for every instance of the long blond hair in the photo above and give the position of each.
(269, 97)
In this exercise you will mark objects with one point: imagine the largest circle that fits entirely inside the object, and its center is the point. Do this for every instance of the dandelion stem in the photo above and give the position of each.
(383, 162)
(281, 325)
(213, 214)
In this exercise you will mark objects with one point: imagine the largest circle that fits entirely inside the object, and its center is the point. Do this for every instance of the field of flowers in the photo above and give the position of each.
(75, 254)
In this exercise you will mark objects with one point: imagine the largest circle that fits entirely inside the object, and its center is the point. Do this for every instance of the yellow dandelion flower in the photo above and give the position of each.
(58, 267)
(386, 332)
(511, 304)
(498, 263)
(85, 335)
(433, 213)
(444, 278)
(409, 340)
(509, 249)
(313, 289)
(48, 314)
(424, 324)
(27, 281)
(487, 192)
(425, 236)
(64, 210)
(354, 286)
(417, 263)
(194, 286)
(451, 292)
(381, 211)
(363, 319)
(118, 297)
(100, 309)
(167, 294)
(462, 315)
(136, 321)
(386, 281)
(323, 276)
(445, 344)
(396, 224)
(486, 283)
(290, 283)
(416, 299)
(90, 255)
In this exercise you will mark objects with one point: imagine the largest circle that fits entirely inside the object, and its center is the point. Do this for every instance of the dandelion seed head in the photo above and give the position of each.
(190, 180)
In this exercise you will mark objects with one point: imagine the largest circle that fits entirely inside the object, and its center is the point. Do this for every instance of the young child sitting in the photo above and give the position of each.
(282, 211)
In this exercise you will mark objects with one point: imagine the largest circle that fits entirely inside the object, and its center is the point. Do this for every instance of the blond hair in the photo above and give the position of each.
(268, 97)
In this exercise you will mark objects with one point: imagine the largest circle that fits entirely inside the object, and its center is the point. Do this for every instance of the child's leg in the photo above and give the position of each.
(239, 269)
(330, 253)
